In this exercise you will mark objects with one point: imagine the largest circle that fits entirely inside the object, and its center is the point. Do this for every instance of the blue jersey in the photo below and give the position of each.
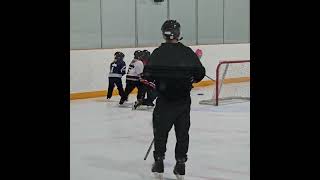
(117, 68)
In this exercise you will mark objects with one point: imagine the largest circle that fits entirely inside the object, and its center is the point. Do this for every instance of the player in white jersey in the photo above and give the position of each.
(133, 77)
(148, 88)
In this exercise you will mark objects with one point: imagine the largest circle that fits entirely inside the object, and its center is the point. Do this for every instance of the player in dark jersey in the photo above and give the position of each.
(117, 70)
(174, 67)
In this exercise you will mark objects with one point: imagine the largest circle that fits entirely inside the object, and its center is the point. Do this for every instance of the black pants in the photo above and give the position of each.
(151, 95)
(130, 85)
(165, 115)
(115, 81)
(143, 90)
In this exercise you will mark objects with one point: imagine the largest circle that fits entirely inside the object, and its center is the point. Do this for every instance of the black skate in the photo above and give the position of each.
(108, 99)
(122, 100)
(179, 169)
(158, 168)
(150, 105)
(136, 104)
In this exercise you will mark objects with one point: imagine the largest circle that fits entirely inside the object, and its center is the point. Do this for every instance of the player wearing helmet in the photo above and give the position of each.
(117, 70)
(174, 67)
(133, 77)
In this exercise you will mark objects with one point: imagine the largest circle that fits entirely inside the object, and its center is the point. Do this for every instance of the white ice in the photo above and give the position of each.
(109, 143)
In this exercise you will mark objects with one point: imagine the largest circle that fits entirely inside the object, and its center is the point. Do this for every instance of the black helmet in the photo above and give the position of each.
(138, 54)
(146, 54)
(118, 55)
(171, 29)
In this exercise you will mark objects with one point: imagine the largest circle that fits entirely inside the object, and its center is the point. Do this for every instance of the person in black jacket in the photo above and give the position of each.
(174, 67)
(117, 70)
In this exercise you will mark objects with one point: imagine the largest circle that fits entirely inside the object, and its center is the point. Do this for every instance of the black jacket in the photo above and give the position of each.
(174, 67)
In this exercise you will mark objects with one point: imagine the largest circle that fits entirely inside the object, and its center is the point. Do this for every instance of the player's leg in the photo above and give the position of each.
(130, 85)
(151, 96)
(141, 90)
(162, 123)
(120, 87)
(110, 87)
(141, 94)
(182, 126)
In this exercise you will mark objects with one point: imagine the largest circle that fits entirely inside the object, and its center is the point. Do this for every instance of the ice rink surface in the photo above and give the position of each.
(109, 143)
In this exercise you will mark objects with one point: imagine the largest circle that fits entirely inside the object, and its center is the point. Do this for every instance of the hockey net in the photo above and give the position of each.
(232, 83)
